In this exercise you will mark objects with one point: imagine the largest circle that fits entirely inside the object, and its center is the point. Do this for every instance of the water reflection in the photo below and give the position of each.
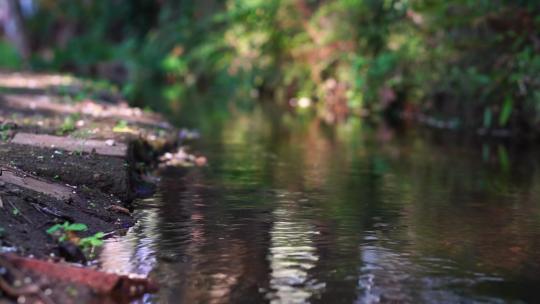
(306, 214)
(135, 252)
(292, 256)
(391, 275)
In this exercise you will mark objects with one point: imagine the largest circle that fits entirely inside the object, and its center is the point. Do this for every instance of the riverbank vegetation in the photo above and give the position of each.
(471, 65)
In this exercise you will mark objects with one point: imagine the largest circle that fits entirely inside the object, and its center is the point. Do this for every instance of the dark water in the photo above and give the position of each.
(293, 212)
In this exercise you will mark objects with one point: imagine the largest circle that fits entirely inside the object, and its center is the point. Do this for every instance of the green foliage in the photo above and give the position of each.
(67, 226)
(121, 126)
(68, 125)
(92, 241)
(5, 131)
(9, 58)
(476, 62)
(61, 231)
(506, 111)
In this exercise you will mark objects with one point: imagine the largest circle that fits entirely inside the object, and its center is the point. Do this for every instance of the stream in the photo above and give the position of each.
(290, 211)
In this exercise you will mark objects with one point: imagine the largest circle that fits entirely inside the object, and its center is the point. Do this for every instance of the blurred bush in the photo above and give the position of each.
(449, 64)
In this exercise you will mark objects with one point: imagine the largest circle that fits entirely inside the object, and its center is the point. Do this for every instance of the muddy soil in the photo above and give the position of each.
(44, 185)
(26, 215)
(107, 174)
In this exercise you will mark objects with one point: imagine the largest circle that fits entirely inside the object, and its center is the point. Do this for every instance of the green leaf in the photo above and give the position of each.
(96, 242)
(121, 126)
(54, 228)
(92, 241)
(84, 242)
(76, 227)
(506, 111)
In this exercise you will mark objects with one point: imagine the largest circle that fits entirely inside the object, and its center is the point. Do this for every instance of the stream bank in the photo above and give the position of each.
(73, 157)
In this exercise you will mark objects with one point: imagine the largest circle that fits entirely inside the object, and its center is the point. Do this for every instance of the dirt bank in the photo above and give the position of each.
(72, 158)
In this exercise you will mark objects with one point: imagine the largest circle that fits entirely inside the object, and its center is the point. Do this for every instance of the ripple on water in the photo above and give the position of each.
(292, 256)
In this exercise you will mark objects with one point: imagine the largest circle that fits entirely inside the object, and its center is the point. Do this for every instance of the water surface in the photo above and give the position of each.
(295, 212)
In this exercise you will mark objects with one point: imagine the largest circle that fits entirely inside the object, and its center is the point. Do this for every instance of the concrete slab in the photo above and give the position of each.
(24, 180)
(100, 147)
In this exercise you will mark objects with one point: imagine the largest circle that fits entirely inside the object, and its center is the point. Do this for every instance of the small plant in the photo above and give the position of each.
(2, 231)
(121, 126)
(5, 132)
(69, 125)
(92, 241)
(81, 134)
(64, 230)
(79, 150)
(81, 96)
(67, 232)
